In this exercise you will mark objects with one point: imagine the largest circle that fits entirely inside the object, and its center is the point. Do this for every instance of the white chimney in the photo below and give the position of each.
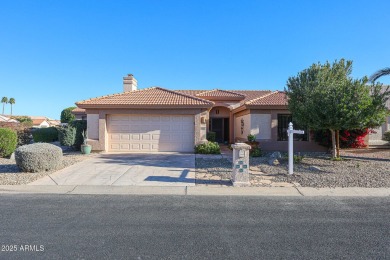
(129, 83)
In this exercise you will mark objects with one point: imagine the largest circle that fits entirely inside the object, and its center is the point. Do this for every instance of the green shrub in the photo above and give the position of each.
(24, 136)
(386, 136)
(67, 135)
(38, 157)
(45, 135)
(81, 126)
(298, 158)
(251, 138)
(208, 148)
(8, 142)
(256, 152)
(210, 136)
(23, 131)
(67, 116)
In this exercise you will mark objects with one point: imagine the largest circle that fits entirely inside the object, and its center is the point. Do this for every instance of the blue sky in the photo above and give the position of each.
(54, 53)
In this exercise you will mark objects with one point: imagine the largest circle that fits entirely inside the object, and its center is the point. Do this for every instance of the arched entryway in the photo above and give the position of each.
(219, 123)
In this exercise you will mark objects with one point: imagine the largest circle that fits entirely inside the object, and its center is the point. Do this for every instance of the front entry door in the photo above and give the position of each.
(221, 128)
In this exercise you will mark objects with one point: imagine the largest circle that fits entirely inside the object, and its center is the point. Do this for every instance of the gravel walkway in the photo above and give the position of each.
(10, 174)
(360, 168)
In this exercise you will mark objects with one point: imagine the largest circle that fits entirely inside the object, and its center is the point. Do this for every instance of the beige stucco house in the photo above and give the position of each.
(40, 122)
(158, 119)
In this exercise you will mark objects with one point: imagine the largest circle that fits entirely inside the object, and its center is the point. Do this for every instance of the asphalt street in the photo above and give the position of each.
(187, 227)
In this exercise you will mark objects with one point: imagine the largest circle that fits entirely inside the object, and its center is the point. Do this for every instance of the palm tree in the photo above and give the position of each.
(379, 73)
(11, 101)
(4, 100)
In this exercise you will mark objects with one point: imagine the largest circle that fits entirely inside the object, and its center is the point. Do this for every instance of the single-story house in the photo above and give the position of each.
(40, 122)
(158, 119)
(79, 113)
(54, 122)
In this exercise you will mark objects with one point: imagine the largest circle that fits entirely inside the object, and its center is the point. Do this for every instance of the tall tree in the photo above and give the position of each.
(324, 96)
(11, 101)
(4, 100)
(67, 116)
(379, 73)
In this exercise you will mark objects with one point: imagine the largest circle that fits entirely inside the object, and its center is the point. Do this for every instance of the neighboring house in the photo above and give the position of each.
(7, 119)
(375, 138)
(53, 122)
(79, 113)
(158, 119)
(40, 122)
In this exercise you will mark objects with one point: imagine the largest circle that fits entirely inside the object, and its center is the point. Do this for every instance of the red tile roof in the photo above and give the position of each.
(277, 98)
(221, 93)
(78, 110)
(249, 94)
(154, 96)
(38, 121)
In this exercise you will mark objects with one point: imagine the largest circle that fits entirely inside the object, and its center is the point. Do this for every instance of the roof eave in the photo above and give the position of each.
(118, 106)
(272, 107)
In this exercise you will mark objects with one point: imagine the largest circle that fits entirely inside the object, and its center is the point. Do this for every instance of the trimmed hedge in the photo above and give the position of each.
(81, 126)
(67, 135)
(8, 142)
(38, 157)
(208, 148)
(45, 135)
(67, 116)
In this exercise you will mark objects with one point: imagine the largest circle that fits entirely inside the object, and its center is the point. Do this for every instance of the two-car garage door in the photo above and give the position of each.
(150, 133)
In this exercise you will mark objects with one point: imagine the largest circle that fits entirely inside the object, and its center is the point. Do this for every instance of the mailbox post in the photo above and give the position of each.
(240, 174)
(290, 133)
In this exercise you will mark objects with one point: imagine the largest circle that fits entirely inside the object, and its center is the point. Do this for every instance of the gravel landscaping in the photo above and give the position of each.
(10, 174)
(359, 168)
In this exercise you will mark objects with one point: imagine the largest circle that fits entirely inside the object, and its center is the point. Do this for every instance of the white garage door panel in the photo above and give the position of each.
(146, 133)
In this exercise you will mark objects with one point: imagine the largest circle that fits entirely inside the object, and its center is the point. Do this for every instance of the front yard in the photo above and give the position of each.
(10, 174)
(359, 168)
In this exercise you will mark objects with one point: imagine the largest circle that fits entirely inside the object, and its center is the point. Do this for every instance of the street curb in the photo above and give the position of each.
(195, 191)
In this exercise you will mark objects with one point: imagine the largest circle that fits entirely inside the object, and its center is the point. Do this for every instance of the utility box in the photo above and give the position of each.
(240, 174)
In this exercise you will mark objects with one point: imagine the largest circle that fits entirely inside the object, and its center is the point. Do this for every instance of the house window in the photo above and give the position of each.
(283, 121)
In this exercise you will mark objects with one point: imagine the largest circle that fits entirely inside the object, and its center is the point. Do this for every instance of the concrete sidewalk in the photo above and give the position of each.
(194, 191)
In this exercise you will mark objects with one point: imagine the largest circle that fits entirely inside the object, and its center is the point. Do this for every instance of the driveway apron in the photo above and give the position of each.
(160, 169)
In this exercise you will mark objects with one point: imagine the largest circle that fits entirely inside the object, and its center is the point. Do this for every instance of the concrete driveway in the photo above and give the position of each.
(160, 169)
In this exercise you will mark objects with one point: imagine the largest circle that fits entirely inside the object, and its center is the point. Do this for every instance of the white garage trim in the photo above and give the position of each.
(151, 133)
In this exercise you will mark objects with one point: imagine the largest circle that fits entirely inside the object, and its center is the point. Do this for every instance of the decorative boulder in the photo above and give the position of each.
(276, 155)
(38, 157)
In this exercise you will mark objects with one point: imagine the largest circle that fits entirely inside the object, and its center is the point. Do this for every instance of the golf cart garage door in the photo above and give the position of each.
(151, 133)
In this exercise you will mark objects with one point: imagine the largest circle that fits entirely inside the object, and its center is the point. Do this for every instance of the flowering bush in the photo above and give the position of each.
(353, 138)
(348, 138)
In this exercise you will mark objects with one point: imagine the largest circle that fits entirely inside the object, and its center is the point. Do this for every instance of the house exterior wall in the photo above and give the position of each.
(261, 126)
(80, 116)
(44, 124)
(99, 117)
(376, 138)
(242, 127)
(223, 112)
(264, 124)
(93, 126)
